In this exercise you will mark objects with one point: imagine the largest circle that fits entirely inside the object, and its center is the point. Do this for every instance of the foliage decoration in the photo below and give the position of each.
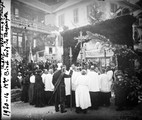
(117, 30)
(128, 83)
(125, 57)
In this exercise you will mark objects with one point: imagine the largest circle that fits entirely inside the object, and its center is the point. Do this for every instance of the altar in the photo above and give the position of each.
(105, 57)
(97, 50)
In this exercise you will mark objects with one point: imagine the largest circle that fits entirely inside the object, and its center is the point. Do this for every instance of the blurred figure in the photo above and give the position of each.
(14, 80)
(31, 66)
(20, 79)
(120, 88)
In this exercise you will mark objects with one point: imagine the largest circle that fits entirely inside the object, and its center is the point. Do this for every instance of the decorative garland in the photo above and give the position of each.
(118, 31)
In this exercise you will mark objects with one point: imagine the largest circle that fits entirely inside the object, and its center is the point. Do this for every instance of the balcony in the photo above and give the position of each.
(31, 25)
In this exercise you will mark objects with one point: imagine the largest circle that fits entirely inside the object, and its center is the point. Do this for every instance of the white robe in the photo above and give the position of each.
(73, 79)
(105, 85)
(93, 81)
(82, 96)
(47, 80)
(67, 84)
(110, 77)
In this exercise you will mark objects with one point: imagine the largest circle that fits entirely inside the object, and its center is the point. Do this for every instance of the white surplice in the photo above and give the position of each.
(47, 80)
(105, 85)
(93, 81)
(73, 79)
(82, 96)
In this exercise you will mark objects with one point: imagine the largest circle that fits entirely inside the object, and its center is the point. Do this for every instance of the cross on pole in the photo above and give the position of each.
(81, 39)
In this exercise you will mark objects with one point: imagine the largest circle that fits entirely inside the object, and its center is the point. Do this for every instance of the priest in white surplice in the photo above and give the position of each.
(94, 87)
(49, 87)
(76, 73)
(82, 96)
(105, 87)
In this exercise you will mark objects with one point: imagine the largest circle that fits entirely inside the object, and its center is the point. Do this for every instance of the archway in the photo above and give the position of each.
(118, 31)
(96, 49)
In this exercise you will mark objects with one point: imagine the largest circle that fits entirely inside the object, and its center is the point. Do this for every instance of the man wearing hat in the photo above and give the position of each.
(59, 84)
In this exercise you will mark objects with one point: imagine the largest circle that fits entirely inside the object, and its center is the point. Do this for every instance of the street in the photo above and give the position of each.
(24, 111)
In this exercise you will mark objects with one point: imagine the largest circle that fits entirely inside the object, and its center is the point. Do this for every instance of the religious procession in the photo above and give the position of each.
(78, 87)
(76, 58)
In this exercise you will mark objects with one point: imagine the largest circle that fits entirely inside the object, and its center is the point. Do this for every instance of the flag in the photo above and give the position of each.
(18, 57)
(30, 55)
(70, 52)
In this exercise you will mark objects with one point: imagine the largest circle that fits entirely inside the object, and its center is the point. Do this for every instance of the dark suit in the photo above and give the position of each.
(60, 90)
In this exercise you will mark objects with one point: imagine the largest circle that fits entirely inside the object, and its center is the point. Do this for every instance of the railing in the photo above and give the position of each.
(31, 25)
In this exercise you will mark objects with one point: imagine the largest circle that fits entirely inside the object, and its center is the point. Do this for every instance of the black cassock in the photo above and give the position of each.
(38, 91)
(60, 90)
(25, 83)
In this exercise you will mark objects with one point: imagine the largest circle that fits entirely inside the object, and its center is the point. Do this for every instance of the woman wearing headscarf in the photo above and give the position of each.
(82, 96)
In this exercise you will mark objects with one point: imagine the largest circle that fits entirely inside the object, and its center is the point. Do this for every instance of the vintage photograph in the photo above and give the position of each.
(75, 59)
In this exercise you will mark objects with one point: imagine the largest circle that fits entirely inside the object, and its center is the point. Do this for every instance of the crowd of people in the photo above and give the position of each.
(89, 88)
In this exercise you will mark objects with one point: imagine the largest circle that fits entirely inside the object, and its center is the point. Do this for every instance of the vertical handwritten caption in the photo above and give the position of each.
(5, 60)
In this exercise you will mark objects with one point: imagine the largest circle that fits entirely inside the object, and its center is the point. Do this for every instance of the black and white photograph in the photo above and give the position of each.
(71, 59)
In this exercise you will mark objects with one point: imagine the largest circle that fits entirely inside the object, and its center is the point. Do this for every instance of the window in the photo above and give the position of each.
(20, 44)
(14, 41)
(61, 20)
(113, 7)
(20, 41)
(34, 44)
(88, 11)
(17, 42)
(16, 12)
(75, 15)
(50, 50)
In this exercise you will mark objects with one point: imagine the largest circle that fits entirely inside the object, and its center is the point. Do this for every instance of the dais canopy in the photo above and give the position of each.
(117, 30)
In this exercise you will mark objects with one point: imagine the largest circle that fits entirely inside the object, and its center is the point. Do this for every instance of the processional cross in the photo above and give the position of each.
(81, 39)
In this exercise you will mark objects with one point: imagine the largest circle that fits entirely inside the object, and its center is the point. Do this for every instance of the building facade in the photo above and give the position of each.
(36, 24)
(30, 33)
(75, 14)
